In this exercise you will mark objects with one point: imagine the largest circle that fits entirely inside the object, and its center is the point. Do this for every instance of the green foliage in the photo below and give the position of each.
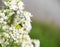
(11, 19)
(48, 34)
(1, 30)
(0, 45)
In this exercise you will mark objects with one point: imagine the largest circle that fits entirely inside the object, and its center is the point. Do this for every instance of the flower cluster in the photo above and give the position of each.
(15, 25)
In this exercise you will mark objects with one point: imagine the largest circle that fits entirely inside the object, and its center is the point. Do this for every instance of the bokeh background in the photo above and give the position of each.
(45, 21)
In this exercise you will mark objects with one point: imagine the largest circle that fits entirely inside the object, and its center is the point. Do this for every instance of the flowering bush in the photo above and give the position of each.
(15, 25)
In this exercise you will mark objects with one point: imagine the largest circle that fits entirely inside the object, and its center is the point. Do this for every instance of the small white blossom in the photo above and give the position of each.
(36, 43)
(15, 25)
(14, 7)
(6, 3)
(27, 45)
(20, 5)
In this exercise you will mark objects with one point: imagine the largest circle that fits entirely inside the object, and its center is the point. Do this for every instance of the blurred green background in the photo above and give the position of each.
(44, 10)
(47, 28)
(48, 34)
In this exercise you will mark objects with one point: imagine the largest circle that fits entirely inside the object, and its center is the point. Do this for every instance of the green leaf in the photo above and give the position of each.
(1, 30)
(5, 7)
(0, 45)
(11, 19)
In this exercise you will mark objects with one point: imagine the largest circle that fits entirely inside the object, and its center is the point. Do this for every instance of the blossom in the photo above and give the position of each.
(15, 25)
(36, 43)
(27, 45)
(20, 5)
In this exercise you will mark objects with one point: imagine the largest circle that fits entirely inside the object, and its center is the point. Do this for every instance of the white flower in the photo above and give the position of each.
(5, 17)
(5, 22)
(14, 7)
(1, 20)
(11, 28)
(36, 43)
(4, 11)
(27, 14)
(26, 38)
(18, 12)
(6, 35)
(2, 14)
(27, 45)
(6, 3)
(28, 25)
(20, 5)
(13, 2)
(20, 28)
(5, 27)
